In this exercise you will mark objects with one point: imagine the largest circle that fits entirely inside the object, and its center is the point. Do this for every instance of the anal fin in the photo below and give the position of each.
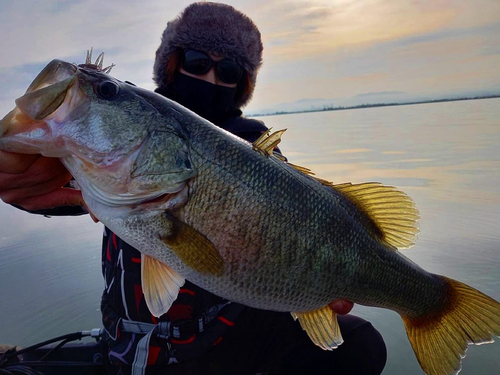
(160, 285)
(321, 326)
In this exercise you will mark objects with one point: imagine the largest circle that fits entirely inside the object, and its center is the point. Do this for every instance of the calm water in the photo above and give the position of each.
(445, 156)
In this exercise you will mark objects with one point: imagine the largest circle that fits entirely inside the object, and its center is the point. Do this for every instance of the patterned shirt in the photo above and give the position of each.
(199, 319)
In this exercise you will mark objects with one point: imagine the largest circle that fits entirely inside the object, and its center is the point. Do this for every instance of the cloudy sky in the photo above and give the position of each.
(314, 49)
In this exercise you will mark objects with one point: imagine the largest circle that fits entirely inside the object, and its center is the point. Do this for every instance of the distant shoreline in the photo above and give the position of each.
(341, 108)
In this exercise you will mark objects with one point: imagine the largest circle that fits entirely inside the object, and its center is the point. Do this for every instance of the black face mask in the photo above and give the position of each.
(210, 101)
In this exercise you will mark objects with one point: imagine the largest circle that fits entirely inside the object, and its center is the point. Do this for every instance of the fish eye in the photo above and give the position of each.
(107, 89)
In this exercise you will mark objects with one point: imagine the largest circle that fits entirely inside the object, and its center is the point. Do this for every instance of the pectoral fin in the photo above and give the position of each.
(321, 326)
(160, 285)
(194, 249)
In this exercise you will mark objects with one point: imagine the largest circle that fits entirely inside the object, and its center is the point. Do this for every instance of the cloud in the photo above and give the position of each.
(434, 63)
(18, 78)
(489, 30)
(314, 28)
(313, 48)
(297, 21)
(15, 81)
(319, 27)
(490, 51)
(34, 33)
(44, 30)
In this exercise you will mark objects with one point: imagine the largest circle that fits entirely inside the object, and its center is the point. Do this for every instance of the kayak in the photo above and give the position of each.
(60, 355)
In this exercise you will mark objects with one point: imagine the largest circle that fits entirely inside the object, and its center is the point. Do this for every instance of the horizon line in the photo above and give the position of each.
(368, 105)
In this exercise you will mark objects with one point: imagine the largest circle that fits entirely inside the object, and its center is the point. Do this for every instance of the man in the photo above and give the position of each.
(207, 61)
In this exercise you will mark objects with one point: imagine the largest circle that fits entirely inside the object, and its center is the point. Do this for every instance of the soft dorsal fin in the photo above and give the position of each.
(160, 285)
(391, 210)
(304, 170)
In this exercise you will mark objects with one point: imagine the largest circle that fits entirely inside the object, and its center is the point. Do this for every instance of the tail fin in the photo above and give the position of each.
(440, 340)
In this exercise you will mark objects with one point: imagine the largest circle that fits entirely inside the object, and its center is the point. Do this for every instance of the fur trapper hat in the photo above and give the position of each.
(216, 28)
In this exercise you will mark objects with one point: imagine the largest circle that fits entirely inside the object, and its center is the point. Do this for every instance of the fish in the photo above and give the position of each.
(238, 219)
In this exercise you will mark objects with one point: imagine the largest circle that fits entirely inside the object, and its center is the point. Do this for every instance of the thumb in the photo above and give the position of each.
(341, 306)
(92, 216)
(66, 197)
(58, 198)
(74, 197)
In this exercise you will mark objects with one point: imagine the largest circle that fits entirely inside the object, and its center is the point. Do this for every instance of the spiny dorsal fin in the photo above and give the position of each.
(304, 170)
(88, 60)
(321, 326)
(160, 285)
(266, 143)
(98, 62)
(308, 172)
(392, 211)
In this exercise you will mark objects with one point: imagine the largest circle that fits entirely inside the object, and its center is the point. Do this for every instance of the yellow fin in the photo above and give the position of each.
(194, 249)
(440, 339)
(321, 326)
(266, 143)
(310, 173)
(392, 211)
(304, 170)
(160, 285)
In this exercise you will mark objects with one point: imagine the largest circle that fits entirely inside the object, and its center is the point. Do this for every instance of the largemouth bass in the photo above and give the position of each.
(232, 217)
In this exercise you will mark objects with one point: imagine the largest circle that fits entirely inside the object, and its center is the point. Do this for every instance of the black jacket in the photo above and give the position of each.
(123, 298)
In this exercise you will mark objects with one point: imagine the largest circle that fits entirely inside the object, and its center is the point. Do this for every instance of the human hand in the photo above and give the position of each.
(341, 306)
(35, 182)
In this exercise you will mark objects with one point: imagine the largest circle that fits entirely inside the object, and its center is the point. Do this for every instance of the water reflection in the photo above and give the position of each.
(445, 156)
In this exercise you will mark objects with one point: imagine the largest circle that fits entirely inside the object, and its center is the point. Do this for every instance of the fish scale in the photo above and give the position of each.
(264, 192)
(203, 205)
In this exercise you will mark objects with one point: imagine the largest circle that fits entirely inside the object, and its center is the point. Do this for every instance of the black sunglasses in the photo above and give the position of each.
(199, 63)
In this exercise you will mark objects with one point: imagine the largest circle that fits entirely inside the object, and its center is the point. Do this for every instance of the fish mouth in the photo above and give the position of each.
(44, 96)
(48, 90)
(39, 104)
(135, 201)
(48, 120)
(55, 71)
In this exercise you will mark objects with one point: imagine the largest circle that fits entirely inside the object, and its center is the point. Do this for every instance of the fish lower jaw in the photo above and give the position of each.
(104, 205)
(126, 201)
